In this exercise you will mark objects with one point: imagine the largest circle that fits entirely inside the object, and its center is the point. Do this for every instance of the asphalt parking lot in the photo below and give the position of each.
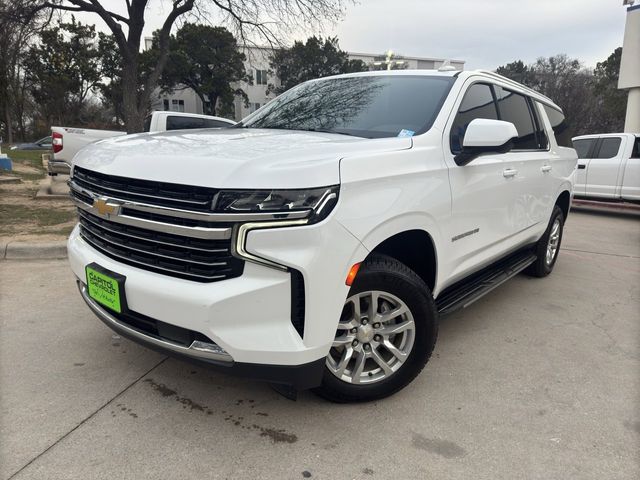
(540, 379)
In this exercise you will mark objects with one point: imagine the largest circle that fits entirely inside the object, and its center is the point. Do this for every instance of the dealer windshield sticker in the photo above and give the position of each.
(406, 133)
(104, 289)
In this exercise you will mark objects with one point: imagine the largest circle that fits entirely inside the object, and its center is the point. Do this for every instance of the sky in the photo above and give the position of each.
(484, 33)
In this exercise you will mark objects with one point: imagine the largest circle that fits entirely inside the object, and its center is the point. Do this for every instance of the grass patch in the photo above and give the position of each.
(32, 158)
(25, 176)
(14, 216)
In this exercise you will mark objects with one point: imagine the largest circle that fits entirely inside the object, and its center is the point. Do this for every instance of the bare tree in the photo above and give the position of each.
(19, 23)
(250, 20)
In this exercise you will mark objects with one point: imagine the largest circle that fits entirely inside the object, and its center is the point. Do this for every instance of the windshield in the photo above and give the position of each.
(367, 106)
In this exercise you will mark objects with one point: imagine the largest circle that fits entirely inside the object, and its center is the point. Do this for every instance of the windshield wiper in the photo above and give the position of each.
(324, 130)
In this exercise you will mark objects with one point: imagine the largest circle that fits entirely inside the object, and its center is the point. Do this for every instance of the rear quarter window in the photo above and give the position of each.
(175, 122)
(210, 123)
(635, 153)
(559, 125)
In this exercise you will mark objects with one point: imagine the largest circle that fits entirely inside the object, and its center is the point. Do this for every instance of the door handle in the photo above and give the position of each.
(546, 168)
(509, 172)
(581, 166)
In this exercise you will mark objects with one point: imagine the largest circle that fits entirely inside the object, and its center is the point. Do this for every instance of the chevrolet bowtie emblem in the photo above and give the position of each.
(105, 206)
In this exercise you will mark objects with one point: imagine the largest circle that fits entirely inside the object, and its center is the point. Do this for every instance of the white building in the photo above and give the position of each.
(257, 65)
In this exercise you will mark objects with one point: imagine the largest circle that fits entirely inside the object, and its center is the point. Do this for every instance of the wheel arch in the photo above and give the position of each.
(416, 249)
(564, 202)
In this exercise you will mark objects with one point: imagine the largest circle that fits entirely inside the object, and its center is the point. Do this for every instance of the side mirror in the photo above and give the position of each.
(486, 136)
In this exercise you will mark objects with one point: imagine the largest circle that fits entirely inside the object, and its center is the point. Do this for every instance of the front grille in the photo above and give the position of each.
(171, 195)
(175, 255)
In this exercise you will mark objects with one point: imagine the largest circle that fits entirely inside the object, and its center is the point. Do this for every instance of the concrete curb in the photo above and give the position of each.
(33, 251)
(45, 191)
(9, 179)
(628, 209)
(623, 206)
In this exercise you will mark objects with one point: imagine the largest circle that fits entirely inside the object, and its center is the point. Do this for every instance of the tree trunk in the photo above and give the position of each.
(133, 117)
(7, 119)
(201, 96)
(213, 101)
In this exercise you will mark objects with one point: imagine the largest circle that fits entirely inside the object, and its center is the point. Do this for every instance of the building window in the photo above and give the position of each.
(177, 105)
(165, 104)
(253, 107)
(261, 77)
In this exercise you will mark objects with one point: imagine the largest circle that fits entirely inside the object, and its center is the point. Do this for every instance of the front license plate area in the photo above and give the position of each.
(106, 287)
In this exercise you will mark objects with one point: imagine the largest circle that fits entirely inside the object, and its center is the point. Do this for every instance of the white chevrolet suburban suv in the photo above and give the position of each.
(316, 243)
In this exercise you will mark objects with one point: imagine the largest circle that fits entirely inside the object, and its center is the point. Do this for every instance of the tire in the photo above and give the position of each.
(543, 266)
(395, 288)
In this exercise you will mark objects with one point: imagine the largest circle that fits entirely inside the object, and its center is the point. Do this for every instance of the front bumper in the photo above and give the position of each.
(248, 318)
(300, 377)
(55, 167)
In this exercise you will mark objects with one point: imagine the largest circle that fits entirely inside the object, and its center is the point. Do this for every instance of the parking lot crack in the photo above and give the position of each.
(86, 419)
(600, 253)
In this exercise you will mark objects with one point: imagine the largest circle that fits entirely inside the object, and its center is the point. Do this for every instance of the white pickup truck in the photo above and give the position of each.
(608, 166)
(68, 141)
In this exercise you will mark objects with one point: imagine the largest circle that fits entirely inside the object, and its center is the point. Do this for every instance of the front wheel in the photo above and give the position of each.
(385, 336)
(548, 246)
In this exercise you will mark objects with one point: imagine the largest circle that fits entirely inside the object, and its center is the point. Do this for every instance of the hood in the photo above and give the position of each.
(232, 158)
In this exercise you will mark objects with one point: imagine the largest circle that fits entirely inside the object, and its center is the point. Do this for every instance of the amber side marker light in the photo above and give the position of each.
(351, 276)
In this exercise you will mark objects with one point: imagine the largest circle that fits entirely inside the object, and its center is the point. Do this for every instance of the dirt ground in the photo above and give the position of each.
(23, 217)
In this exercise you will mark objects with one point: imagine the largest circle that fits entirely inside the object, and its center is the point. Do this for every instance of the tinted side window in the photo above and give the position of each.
(514, 108)
(609, 147)
(215, 123)
(635, 153)
(184, 123)
(559, 125)
(583, 147)
(477, 103)
(541, 131)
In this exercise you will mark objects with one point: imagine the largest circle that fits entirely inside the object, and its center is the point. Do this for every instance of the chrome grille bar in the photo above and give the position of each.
(151, 252)
(83, 176)
(143, 264)
(191, 215)
(196, 232)
(89, 218)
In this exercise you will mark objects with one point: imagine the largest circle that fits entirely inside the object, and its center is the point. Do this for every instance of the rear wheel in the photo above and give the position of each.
(385, 335)
(548, 246)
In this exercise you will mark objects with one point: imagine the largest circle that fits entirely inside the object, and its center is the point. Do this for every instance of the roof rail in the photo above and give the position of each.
(515, 84)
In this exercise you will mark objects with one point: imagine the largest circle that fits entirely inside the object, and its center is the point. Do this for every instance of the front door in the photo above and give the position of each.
(604, 172)
(584, 147)
(479, 218)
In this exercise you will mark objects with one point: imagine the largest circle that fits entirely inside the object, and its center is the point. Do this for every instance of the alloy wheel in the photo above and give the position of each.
(553, 243)
(374, 338)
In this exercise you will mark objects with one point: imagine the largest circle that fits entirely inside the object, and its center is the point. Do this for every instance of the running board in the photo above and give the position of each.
(464, 293)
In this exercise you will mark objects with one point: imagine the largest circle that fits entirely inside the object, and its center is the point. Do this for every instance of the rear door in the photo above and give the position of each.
(631, 177)
(525, 166)
(604, 169)
(585, 148)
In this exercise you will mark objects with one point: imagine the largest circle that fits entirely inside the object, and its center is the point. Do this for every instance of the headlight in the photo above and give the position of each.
(317, 201)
